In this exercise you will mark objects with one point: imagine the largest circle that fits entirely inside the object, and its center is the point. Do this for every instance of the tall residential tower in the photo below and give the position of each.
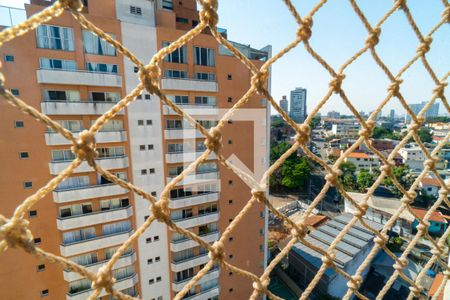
(298, 105)
(73, 76)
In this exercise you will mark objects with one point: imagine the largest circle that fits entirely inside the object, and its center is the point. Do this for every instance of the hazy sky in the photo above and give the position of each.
(337, 35)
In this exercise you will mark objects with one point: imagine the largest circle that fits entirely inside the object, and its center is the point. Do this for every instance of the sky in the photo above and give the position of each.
(337, 35)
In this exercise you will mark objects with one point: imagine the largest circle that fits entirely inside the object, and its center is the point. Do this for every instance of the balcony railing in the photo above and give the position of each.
(181, 157)
(193, 109)
(113, 136)
(94, 218)
(198, 177)
(115, 162)
(121, 284)
(87, 192)
(205, 294)
(193, 200)
(88, 107)
(190, 262)
(182, 133)
(187, 243)
(212, 274)
(188, 84)
(78, 77)
(198, 220)
(125, 260)
(98, 242)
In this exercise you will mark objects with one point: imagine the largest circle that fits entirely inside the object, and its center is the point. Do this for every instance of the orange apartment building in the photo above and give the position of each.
(73, 76)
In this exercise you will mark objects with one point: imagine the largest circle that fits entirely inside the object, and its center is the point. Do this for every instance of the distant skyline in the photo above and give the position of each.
(337, 35)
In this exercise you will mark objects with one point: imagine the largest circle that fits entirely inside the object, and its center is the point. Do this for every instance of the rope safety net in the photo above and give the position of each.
(14, 232)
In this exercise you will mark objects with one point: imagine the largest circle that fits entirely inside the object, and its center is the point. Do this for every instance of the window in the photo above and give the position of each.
(230, 239)
(140, 122)
(149, 122)
(19, 124)
(78, 235)
(85, 259)
(27, 184)
(156, 238)
(37, 240)
(142, 147)
(111, 125)
(177, 56)
(57, 64)
(230, 201)
(15, 92)
(147, 96)
(41, 268)
(149, 261)
(9, 58)
(73, 182)
(44, 293)
(23, 155)
(151, 171)
(185, 274)
(207, 209)
(157, 259)
(230, 121)
(205, 76)
(101, 67)
(179, 99)
(55, 37)
(139, 97)
(117, 227)
(62, 155)
(174, 124)
(182, 20)
(230, 290)
(175, 74)
(150, 147)
(174, 148)
(181, 214)
(230, 142)
(151, 281)
(158, 279)
(205, 100)
(135, 69)
(95, 45)
(148, 240)
(230, 99)
(104, 96)
(194, 23)
(136, 10)
(167, 4)
(143, 171)
(114, 204)
(230, 182)
(75, 210)
(229, 76)
(204, 56)
(32, 213)
(62, 95)
(230, 256)
(153, 194)
(110, 152)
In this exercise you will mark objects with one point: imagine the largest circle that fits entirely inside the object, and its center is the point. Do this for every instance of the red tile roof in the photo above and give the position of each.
(431, 182)
(358, 155)
(315, 220)
(435, 215)
(435, 286)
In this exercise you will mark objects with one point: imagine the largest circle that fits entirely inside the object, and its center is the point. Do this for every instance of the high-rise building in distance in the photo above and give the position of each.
(298, 105)
(333, 114)
(284, 104)
(433, 111)
(392, 115)
(74, 76)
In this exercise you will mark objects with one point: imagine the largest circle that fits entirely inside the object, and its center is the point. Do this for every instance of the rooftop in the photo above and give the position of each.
(358, 155)
(431, 182)
(435, 286)
(436, 216)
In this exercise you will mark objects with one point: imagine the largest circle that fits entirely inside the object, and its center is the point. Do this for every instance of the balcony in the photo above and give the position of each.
(123, 261)
(193, 110)
(182, 133)
(55, 139)
(198, 220)
(94, 218)
(193, 200)
(212, 274)
(100, 242)
(76, 107)
(189, 85)
(87, 192)
(206, 294)
(109, 163)
(78, 77)
(198, 178)
(190, 262)
(181, 157)
(188, 243)
(120, 285)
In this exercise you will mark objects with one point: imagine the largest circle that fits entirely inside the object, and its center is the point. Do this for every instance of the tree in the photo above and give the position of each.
(364, 180)
(425, 135)
(348, 177)
(295, 174)
(347, 168)
(403, 176)
(315, 122)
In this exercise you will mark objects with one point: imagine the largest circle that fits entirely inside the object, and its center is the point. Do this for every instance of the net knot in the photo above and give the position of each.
(208, 14)
(401, 3)
(84, 148)
(437, 251)
(214, 141)
(439, 89)
(104, 279)
(354, 282)
(159, 214)
(423, 226)
(72, 4)
(328, 258)
(367, 129)
(260, 286)
(15, 233)
(149, 76)
(387, 168)
(217, 253)
(336, 83)
(304, 31)
(394, 88)
(409, 197)
(416, 290)
(400, 263)
(380, 241)
(333, 175)
(259, 195)
(300, 231)
(431, 163)
(303, 133)
(259, 80)
(415, 125)
(361, 210)
(424, 47)
(374, 37)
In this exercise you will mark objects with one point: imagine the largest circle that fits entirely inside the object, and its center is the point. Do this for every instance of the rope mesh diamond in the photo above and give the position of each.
(14, 231)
